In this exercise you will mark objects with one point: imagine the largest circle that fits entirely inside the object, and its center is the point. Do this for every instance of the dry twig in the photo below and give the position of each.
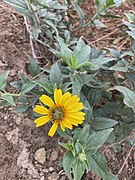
(31, 38)
(124, 42)
(125, 162)
(103, 37)
(119, 142)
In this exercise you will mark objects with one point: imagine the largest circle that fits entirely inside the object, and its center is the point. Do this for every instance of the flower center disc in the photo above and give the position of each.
(57, 113)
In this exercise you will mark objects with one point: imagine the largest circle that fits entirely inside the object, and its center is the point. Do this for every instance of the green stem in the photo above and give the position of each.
(15, 95)
(35, 19)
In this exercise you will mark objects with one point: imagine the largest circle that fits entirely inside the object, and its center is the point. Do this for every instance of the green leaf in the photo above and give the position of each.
(82, 135)
(36, 32)
(131, 26)
(68, 161)
(87, 108)
(97, 139)
(132, 34)
(100, 123)
(80, 45)
(73, 61)
(53, 4)
(21, 108)
(97, 163)
(129, 96)
(27, 87)
(78, 170)
(118, 2)
(133, 46)
(55, 75)
(3, 79)
(79, 12)
(34, 68)
(24, 78)
(78, 147)
(64, 48)
(19, 5)
(82, 52)
(114, 52)
(16, 84)
(67, 36)
(94, 96)
(99, 24)
(98, 62)
(4, 103)
(85, 64)
(65, 145)
(131, 17)
(120, 66)
(77, 84)
(52, 25)
(46, 85)
(110, 16)
(110, 2)
(66, 59)
(8, 98)
(63, 134)
(65, 86)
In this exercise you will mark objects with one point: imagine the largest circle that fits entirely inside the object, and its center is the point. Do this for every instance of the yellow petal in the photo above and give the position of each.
(62, 126)
(67, 124)
(41, 119)
(73, 100)
(53, 129)
(46, 100)
(75, 116)
(65, 97)
(75, 121)
(75, 107)
(57, 96)
(41, 110)
(41, 123)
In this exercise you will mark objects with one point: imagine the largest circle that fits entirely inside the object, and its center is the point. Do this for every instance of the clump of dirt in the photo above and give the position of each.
(26, 152)
(14, 47)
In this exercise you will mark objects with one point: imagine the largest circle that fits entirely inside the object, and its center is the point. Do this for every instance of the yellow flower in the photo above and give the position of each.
(63, 111)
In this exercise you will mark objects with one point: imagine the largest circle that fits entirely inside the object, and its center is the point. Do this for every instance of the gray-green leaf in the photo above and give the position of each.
(3, 79)
(55, 75)
(100, 123)
(8, 98)
(97, 139)
(129, 96)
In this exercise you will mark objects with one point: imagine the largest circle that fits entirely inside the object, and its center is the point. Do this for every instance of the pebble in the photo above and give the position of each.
(54, 155)
(45, 170)
(63, 178)
(40, 155)
(5, 117)
(51, 169)
(42, 178)
(53, 176)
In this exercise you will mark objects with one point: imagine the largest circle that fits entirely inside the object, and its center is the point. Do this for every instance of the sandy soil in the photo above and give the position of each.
(26, 152)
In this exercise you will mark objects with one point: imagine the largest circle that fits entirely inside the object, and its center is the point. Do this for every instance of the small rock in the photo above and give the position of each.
(54, 155)
(40, 155)
(45, 170)
(51, 169)
(13, 136)
(24, 162)
(5, 117)
(63, 178)
(18, 120)
(53, 176)
(42, 178)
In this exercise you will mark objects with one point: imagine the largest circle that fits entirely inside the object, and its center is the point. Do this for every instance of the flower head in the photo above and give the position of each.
(63, 111)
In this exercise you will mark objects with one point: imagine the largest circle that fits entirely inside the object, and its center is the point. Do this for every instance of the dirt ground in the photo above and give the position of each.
(26, 152)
